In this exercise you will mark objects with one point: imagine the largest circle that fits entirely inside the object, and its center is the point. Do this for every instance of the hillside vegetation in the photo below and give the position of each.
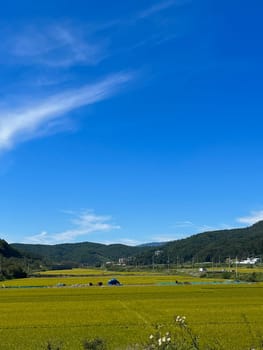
(12, 262)
(206, 246)
(218, 245)
(74, 254)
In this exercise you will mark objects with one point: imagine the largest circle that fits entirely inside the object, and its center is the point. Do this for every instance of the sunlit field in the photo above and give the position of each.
(30, 317)
(72, 281)
(239, 269)
(78, 272)
(76, 277)
(100, 272)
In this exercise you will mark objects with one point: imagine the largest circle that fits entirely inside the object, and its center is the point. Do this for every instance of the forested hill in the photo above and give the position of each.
(242, 242)
(80, 253)
(14, 264)
(206, 246)
(7, 251)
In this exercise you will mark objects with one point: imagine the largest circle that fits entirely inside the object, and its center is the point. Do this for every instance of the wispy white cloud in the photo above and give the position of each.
(64, 46)
(54, 45)
(83, 224)
(158, 7)
(254, 217)
(158, 36)
(128, 241)
(161, 17)
(125, 241)
(186, 228)
(26, 122)
(164, 238)
(139, 15)
(185, 223)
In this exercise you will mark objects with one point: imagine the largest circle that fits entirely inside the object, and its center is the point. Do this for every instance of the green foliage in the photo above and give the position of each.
(7, 251)
(13, 264)
(251, 277)
(51, 346)
(95, 344)
(76, 254)
(90, 344)
(227, 275)
(215, 245)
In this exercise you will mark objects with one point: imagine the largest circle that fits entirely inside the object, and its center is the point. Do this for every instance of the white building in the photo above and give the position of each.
(249, 261)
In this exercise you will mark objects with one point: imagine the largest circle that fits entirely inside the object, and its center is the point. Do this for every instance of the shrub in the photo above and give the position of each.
(94, 344)
(227, 275)
(51, 346)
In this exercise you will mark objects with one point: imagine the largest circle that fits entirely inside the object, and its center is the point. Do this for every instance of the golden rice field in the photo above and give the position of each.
(84, 280)
(30, 317)
(97, 272)
(87, 272)
(240, 269)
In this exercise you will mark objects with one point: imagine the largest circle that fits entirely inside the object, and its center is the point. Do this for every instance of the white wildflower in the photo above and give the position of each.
(180, 320)
(151, 336)
(163, 339)
(160, 341)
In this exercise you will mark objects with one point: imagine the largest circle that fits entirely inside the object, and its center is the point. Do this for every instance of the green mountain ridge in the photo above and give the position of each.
(220, 244)
(7, 251)
(13, 263)
(207, 246)
(74, 254)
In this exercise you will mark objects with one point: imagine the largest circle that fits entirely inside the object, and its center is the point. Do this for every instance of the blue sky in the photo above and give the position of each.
(129, 121)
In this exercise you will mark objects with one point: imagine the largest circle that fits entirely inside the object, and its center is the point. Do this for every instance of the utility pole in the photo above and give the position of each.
(168, 262)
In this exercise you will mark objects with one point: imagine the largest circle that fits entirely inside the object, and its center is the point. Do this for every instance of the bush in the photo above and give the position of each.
(227, 275)
(94, 344)
(51, 346)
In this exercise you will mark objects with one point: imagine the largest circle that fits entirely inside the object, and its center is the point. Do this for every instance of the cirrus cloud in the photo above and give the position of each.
(57, 45)
(25, 122)
(254, 217)
(83, 224)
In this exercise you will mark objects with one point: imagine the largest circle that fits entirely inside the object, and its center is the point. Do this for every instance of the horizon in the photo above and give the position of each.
(129, 122)
(157, 243)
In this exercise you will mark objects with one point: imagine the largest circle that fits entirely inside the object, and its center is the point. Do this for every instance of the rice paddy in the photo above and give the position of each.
(30, 317)
(85, 280)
